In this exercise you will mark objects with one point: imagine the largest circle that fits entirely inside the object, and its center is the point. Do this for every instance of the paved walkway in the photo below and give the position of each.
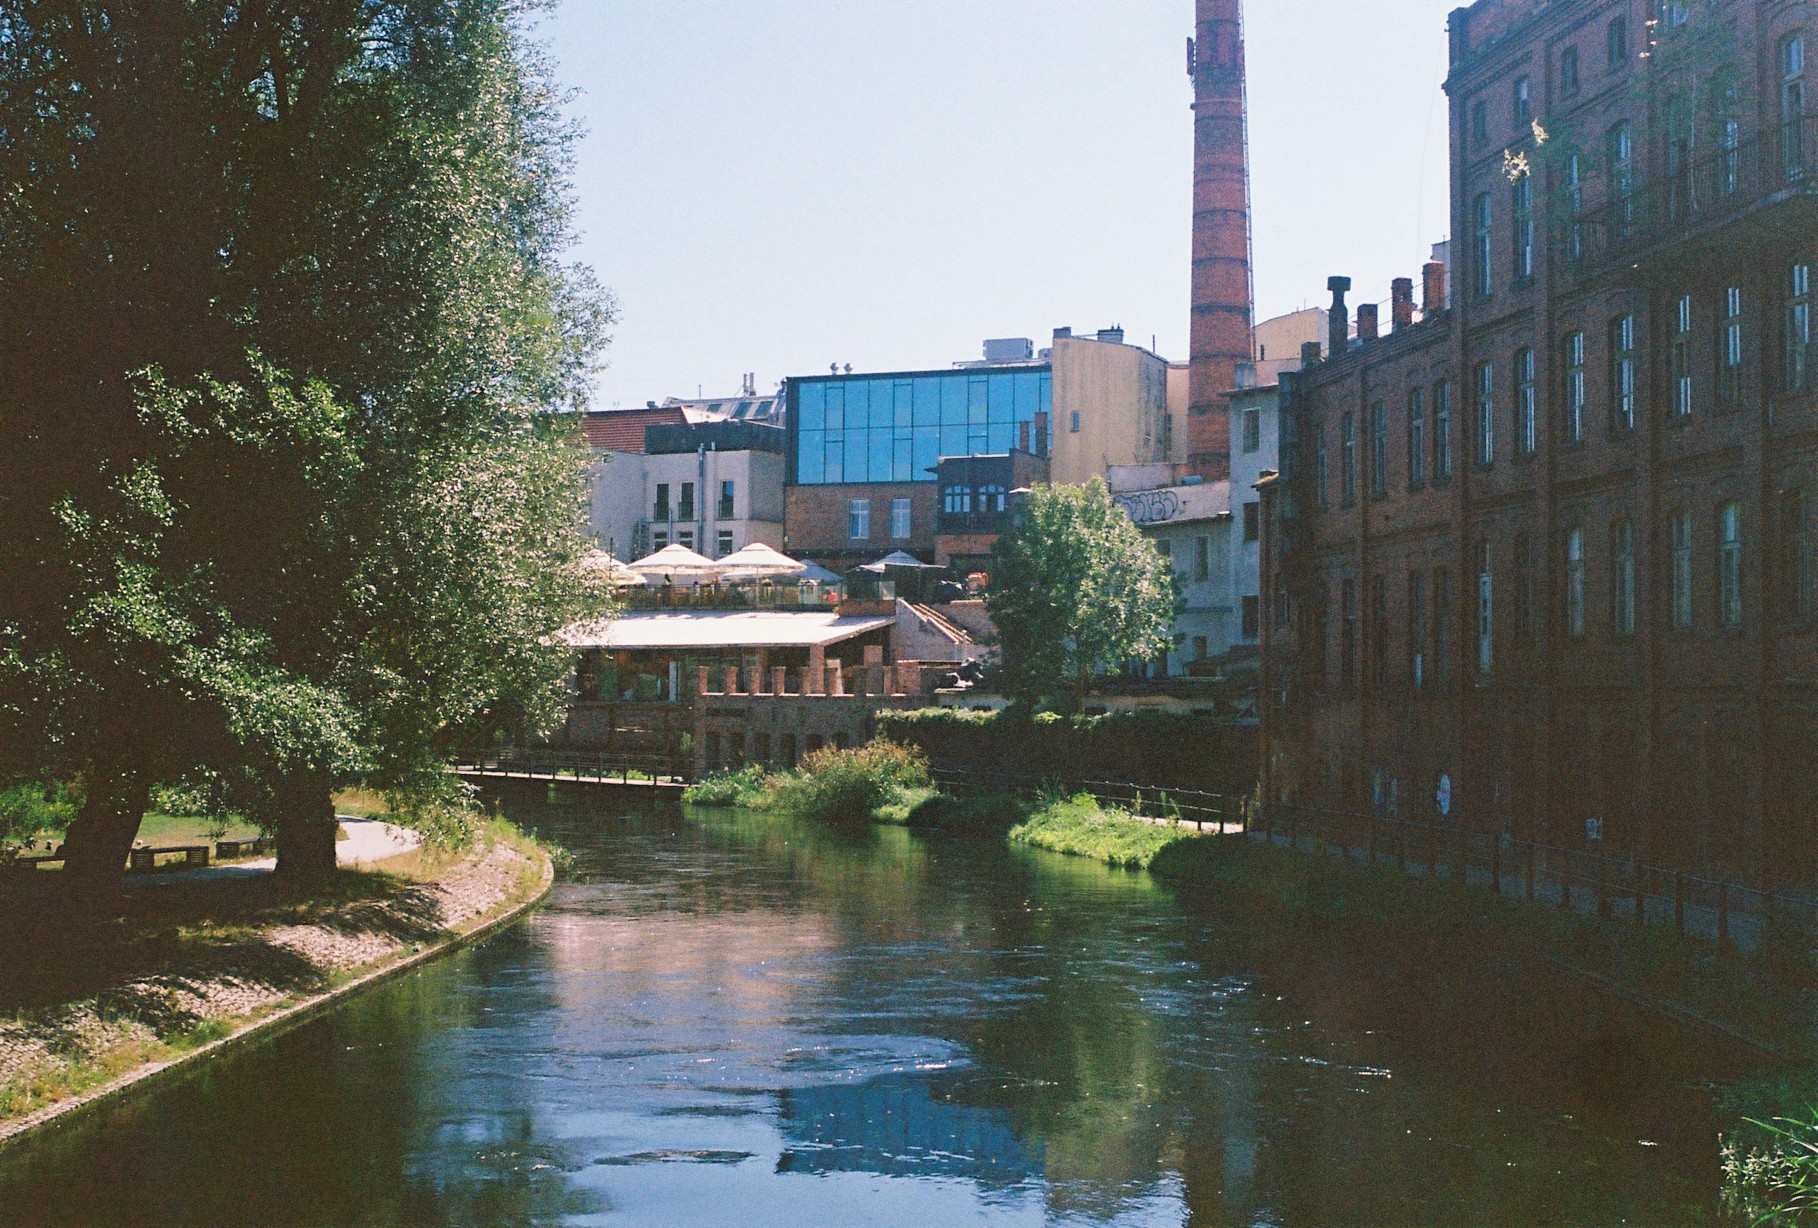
(368, 841)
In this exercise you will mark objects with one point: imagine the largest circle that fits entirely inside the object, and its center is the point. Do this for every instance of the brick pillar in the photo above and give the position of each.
(815, 676)
(732, 680)
(836, 679)
(700, 686)
(779, 680)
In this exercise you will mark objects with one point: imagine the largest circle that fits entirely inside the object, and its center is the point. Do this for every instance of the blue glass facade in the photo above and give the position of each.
(894, 428)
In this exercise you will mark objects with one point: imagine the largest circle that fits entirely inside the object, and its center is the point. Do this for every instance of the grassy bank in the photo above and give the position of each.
(1083, 827)
(94, 1001)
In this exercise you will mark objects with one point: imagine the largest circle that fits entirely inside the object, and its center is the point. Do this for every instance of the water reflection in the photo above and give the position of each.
(730, 1019)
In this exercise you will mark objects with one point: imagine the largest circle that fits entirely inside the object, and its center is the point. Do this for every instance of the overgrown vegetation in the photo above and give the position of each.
(31, 809)
(1770, 1173)
(1179, 750)
(1084, 827)
(878, 782)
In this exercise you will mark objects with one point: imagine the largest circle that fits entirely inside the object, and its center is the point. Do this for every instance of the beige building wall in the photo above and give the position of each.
(1110, 408)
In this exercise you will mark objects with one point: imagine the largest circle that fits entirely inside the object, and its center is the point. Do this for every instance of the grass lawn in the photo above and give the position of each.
(1082, 827)
(162, 830)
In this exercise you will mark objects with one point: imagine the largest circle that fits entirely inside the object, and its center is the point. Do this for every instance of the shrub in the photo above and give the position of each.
(31, 809)
(993, 812)
(850, 785)
(440, 809)
(734, 787)
(1776, 1182)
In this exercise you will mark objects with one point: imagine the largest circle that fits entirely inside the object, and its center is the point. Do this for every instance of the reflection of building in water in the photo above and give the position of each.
(901, 1127)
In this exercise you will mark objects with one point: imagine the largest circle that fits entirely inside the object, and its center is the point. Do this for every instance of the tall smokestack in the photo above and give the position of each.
(1221, 334)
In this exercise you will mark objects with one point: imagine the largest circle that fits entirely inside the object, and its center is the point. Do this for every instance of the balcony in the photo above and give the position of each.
(1733, 192)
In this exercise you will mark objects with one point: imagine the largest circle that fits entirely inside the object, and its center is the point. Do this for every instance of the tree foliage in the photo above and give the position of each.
(1077, 589)
(284, 318)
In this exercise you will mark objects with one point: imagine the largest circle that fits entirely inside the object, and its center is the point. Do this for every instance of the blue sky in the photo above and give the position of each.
(773, 185)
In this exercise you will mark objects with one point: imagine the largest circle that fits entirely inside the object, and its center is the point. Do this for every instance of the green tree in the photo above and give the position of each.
(1077, 588)
(285, 319)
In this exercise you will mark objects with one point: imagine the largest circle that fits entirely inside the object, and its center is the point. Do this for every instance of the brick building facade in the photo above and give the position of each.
(1555, 544)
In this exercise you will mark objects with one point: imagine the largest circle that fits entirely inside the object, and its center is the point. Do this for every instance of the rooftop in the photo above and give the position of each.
(685, 629)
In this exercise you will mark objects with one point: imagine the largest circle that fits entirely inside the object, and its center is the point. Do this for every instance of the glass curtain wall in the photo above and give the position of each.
(890, 428)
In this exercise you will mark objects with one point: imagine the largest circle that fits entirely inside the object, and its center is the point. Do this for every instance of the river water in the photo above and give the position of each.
(727, 1019)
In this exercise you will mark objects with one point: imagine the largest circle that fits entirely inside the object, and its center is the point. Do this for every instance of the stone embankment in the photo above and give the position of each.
(81, 1052)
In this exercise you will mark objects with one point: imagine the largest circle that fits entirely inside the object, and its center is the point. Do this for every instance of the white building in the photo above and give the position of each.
(714, 487)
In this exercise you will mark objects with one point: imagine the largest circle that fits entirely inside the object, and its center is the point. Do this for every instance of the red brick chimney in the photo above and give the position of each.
(1221, 334)
(1401, 303)
(1433, 292)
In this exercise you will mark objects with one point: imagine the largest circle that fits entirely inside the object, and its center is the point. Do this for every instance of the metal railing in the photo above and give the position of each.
(534, 763)
(1736, 916)
(1194, 808)
(1779, 159)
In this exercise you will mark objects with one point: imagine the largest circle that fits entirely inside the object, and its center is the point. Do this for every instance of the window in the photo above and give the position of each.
(1201, 648)
(1442, 430)
(1480, 123)
(723, 544)
(1073, 422)
(1417, 630)
(991, 497)
(1522, 194)
(1729, 565)
(1347, 460)
(1622, 578)
(661, 509)
(1165, 548)
(1682, 357)
(1675, 12)
(1524, 587)
(1417, 438)
(1574, 388)
(1442, 622)
(659, 539)
(1252, 618)
(726, 501)
(1347, 640)
(859, 520)
(1486, 611)
(1202, 558)
(1524, 100)
(684, 509)
(956, 500)
(1379, 451)
(1252, 423)
(1252, 521)
(1526, 432)
(1681, 570)
(1319, 465)
(1729, 350)
(1792, 105)
(685, 539)
(1379, 631)
(899, 519)
(1486, 414)
(1568, 71)
(1573, 177)
(1729, 142)
(1616, 37)
(1799, 328)
(1622, 373)
(1619, 149)
(1574, 583)
(1480, 244)
(1795, 559)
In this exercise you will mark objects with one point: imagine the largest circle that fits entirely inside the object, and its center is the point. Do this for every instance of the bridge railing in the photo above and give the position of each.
(599, 767)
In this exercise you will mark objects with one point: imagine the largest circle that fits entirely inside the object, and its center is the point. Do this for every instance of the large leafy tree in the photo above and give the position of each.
(282, 317)
(1077, 588)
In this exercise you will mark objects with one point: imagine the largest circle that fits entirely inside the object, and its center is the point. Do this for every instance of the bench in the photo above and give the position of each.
(255, 846)
(194, 855)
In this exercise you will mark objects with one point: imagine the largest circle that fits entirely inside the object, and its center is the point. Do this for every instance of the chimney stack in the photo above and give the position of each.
(1366, 321)
(1338, 319)
(1401, 303)
(1309, 353)
(1433, 288)
(1221, 327)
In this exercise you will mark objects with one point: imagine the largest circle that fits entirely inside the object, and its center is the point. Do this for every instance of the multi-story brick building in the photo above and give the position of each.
(1554, 544)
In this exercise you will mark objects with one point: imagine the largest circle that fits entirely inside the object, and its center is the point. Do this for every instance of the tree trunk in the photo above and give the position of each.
(96, 845)
(306, 828)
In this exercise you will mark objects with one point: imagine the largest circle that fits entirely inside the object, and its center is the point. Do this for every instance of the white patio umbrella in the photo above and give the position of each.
(676, 564)
(814, 573)
(614, 572)
(757, 562)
